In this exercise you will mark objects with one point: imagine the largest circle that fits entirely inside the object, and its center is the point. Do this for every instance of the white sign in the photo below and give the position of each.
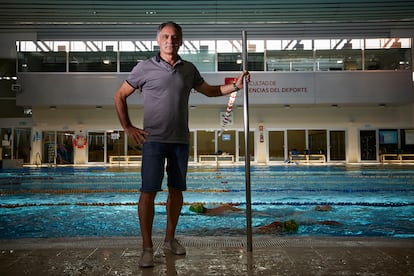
(115, 136)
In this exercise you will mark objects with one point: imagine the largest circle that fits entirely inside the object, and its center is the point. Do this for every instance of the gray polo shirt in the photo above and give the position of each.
(165, 90)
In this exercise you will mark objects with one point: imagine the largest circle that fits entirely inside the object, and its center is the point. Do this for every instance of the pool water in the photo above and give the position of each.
(98, 201)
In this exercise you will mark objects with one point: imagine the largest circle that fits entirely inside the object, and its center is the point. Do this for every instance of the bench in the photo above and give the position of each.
(211, 158)
(397, 158)
(307, 158)
(125, 159)
(389, 158)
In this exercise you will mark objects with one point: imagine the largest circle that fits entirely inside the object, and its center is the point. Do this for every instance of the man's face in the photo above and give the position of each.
(169, 40)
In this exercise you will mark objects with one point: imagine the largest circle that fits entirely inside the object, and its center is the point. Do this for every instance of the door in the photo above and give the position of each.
(368, 145)
(337, 145)
(96, 147)
(277, 145)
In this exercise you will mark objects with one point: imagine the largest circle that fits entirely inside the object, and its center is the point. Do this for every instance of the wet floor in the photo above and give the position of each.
(210, 256)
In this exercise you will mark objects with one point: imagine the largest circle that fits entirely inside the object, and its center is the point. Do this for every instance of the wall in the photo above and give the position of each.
(346, 87)
(277, 117)
(278, 100)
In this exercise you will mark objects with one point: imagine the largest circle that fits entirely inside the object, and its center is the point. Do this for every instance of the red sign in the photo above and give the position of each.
(229, 80)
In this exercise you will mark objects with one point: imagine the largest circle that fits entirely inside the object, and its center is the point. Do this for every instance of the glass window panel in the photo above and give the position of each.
(405, 42)
(333, 60)
(61, 46)
(28, 46)
(190, 47)
(338, 54)
(229, 62)
(204, 61)
(127, 46)
(92, 62)
(110, 46)
(208, 45)
(49, 147)
(296, 44)
(234, 62)
(94, 46)
(129, 59)
(407, 140)
(276, 145)
(138, 46)
(388, 141)
(273, 45)
(368, 145)
(96, 144)
(388, 59)
(372, 43)
(255, 46)
(6, 143)
(77, 46)
(289, 60)
(337, 145)
(205, 142)
(226, 143)
(317, 141)
(64, 150)
(322, 44)
(296, 141)
(229, 46)
(115, 144)
(255, 61)
(357, 43)
(42, 62)
(22, 144)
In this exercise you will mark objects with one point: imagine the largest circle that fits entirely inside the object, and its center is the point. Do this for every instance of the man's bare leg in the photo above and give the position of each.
(174, 205)
(146, 217)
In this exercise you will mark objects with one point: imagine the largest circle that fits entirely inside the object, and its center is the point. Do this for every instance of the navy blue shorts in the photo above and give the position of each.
(154, 155)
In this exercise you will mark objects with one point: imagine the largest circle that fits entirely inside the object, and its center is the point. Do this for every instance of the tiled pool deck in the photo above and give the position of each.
(271, 255)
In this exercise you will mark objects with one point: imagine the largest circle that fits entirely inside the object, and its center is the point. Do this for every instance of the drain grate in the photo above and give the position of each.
(234, 242)
(200, 242)
(265, 242)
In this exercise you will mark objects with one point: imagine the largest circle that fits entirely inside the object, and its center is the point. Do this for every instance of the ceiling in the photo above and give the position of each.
(126, 19)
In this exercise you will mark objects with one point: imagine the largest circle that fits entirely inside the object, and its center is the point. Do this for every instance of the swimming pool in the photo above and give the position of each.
(98, 201)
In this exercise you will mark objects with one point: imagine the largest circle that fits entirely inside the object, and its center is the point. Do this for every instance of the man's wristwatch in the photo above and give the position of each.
(236, 88)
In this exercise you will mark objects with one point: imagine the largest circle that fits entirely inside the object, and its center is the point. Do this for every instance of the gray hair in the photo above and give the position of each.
(172, 24)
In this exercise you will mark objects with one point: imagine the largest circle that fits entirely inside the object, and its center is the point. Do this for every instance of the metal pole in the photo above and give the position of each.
(247, 147)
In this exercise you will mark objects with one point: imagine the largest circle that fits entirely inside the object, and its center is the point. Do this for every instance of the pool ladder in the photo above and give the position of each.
(38, 158)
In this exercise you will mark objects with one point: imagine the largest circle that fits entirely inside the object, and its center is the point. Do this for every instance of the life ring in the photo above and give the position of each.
(80, 142)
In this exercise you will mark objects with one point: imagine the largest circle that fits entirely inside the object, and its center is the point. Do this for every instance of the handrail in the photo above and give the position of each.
(40, 159)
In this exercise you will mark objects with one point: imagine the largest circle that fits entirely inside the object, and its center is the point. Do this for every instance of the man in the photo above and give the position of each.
(165, 82)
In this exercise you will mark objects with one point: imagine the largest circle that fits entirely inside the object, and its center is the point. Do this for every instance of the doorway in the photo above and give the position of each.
(368, 145)
(96, 147)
